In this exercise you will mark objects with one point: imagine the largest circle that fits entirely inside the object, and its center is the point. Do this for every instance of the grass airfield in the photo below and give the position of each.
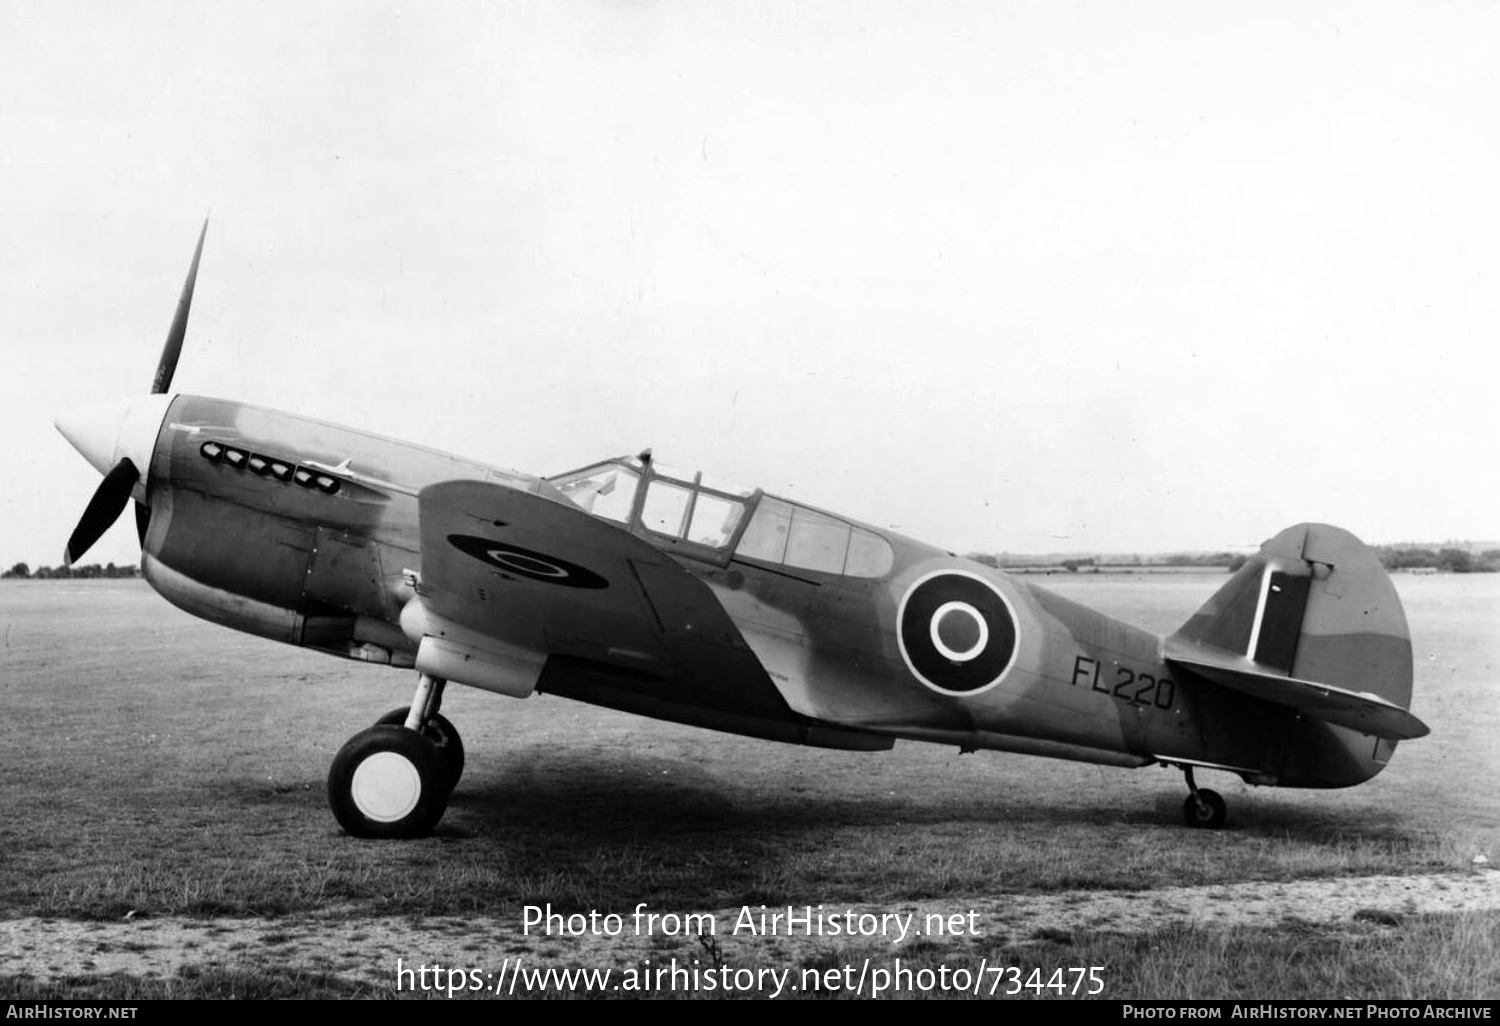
(159, 769)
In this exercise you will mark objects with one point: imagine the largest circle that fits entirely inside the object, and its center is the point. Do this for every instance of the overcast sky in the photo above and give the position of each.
(1005, 276)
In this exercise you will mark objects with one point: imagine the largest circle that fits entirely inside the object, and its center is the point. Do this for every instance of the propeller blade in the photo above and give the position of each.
(103, 509)
(142, 521)
(167, 366)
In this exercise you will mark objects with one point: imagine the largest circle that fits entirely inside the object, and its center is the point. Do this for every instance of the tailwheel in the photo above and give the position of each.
(440, 732)
(388, 782)
(1204, 809)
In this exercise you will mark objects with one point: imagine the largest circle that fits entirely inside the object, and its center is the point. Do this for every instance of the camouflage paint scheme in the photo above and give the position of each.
(1297, 673)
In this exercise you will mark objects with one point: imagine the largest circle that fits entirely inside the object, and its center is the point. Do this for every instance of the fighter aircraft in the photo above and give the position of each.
(674, 595)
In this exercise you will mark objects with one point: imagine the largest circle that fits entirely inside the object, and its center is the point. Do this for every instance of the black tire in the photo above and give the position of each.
(387, 782)
(1205, 809)
(441, 733)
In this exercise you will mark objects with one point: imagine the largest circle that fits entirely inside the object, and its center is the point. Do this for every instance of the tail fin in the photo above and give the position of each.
(1311, 621)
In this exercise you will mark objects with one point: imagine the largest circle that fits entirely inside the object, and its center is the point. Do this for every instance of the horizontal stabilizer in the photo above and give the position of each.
(1364, 712)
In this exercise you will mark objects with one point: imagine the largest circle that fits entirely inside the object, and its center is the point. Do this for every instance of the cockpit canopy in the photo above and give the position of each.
(721, 521)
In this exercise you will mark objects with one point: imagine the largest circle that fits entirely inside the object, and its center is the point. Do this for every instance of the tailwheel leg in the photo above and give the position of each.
(393, 780)
(1203, 808)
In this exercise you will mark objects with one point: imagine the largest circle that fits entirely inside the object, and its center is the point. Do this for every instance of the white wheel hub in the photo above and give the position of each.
(386, 787)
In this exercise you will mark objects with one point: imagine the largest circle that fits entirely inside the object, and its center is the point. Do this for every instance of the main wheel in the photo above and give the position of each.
(388, 782)
(1204, 809)
(441, 733)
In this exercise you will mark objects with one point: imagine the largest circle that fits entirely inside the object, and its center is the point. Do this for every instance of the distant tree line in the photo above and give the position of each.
(21, 571)
(1448, 559)
(1093, 564)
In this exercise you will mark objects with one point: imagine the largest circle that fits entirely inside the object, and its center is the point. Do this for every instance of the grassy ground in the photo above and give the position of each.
(158, 765)
(1454, 957)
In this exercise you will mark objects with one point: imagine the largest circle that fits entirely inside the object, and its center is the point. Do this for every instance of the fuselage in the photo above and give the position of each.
(819, 629)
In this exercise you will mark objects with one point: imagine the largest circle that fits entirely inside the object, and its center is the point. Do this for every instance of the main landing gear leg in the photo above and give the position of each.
(1203, 808)
(434, 727)
(393, 780)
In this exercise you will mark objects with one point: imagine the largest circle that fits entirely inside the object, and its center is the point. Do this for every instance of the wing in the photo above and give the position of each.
(511, 576)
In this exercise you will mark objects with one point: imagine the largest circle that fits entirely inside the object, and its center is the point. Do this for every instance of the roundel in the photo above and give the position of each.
(538, 566)
(957, 632)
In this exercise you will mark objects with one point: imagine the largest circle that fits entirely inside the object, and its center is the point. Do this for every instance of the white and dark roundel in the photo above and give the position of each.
(957, 632)
(537, 566)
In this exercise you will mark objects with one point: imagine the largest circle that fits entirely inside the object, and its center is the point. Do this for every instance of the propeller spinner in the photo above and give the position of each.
(118, 437)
